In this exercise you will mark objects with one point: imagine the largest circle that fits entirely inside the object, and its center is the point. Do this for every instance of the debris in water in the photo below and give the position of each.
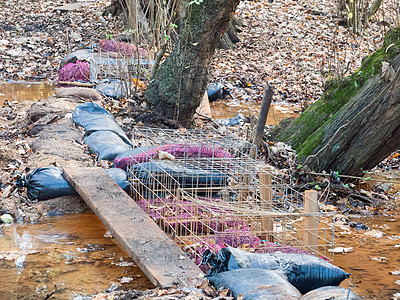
(342, 250)
(375, 233)
(7, 218)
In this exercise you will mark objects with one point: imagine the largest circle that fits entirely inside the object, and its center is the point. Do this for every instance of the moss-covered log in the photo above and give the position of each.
(356, 122)
(181, 81)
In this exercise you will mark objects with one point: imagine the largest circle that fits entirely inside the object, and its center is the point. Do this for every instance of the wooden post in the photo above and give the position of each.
(244, 188)
(267, 224)
(243, 192)
(311, 222)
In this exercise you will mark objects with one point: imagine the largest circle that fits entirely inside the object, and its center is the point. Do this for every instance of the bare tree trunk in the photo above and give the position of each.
(181, 81)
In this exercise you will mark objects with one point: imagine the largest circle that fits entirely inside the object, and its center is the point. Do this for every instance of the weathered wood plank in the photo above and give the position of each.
(156, 254)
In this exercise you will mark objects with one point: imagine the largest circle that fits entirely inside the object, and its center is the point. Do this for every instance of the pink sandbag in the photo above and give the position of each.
(123, 48)
(177, 150)
(79, 71)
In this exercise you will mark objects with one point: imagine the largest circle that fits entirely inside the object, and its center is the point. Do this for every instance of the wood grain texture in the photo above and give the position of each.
(156, 254)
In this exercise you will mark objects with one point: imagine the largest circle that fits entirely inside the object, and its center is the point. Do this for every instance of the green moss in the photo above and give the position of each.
(306, 132)
(313, 141)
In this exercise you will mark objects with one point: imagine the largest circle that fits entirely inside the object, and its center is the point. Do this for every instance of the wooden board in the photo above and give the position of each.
(156, 254)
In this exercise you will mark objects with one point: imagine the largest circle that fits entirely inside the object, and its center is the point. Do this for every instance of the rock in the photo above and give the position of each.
(14, 52)
(76, 36)
(7, 156)
(7, 191)
(6, 218)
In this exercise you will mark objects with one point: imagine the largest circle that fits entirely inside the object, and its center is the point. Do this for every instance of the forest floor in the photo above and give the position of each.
(294, 45)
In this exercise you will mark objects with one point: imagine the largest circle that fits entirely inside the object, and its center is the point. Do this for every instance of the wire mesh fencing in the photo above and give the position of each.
(206, 192)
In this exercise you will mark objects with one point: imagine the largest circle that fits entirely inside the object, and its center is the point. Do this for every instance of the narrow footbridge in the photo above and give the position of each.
(155, 253)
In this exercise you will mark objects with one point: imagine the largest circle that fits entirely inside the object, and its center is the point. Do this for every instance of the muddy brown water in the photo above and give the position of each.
(69, 252)
(21, 91)
(374, 261)
(277, 112)
(72, 252)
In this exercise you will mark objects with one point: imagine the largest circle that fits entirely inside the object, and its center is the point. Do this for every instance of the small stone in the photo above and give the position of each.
(7, 218)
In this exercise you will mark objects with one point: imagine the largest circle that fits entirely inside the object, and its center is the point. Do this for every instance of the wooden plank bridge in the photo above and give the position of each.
(155, 253)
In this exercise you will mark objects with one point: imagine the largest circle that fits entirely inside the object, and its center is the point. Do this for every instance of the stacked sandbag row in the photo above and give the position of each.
(48, 183)
(276, 275)
(102, 134)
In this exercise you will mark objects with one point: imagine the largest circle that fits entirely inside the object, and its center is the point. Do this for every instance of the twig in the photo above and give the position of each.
(76, 83)
(357, 177)
(51, 294)
(157, 61)
(207, 118)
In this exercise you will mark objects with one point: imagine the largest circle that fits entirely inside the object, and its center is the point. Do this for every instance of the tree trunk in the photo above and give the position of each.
(355, 124)
(182, 79)
(363, 132)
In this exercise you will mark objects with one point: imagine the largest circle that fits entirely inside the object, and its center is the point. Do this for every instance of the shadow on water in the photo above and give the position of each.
(69, 252)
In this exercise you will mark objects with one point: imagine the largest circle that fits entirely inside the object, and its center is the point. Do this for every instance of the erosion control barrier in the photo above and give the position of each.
(47, 183)
(103, 135)
(305, 272)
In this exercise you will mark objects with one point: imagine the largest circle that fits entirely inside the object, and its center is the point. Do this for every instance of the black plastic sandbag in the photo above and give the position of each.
(92, 117)
(83, 55)
(256, 284)
(106, 144)
(185, 175)
(331, 292)
(215, 91)
(305, 272)
(47, 183)
(238, 120)
(111, 88)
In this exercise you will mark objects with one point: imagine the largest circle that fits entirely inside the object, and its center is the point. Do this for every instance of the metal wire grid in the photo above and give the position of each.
(241, 210)
(111, 66)
(106, 65)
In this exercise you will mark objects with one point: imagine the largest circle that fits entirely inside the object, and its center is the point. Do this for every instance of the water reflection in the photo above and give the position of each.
(277, 112)
(69, 252)
(21, 91)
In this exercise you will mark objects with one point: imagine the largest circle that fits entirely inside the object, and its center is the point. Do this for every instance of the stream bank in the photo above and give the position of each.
(60, 143)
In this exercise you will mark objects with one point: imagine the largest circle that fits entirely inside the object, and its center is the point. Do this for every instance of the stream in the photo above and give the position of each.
(73, 255)
(375, 258)
(21, 91)
(69, 253)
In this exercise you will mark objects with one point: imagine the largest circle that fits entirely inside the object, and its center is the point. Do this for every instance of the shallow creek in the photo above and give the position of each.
(70, 252)
(21, 91)
(375, 258)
